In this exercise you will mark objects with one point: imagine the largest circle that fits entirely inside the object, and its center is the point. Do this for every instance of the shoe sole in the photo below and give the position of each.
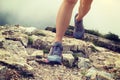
(54, 59)
(78, 35)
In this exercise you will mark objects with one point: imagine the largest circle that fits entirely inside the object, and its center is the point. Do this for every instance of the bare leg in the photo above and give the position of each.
(83, 8)
(62, 22)
(63, 18)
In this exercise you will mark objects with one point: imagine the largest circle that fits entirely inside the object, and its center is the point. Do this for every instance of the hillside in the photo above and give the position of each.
(23, 48)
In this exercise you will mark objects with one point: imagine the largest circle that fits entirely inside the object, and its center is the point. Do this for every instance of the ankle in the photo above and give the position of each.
(58, 40)
(78, 18)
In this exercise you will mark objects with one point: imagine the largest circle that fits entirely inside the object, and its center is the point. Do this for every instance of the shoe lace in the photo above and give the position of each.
(79, 26)
(57, 50)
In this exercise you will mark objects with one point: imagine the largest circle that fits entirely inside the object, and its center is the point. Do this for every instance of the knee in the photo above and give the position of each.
(73, 2)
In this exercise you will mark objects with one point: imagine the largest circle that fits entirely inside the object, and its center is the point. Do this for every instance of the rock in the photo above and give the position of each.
(13, 59)
(117, 63)
(78, 46)
(15, 47)
(16, 73)
(2, 38)
(84, 63)
(8, 74)
(38, 44)
(94, 74)
(79, 54)
(69, 44)
(99, 60)
(66, 48)
(1, 67)
(38, 33)
(38, 53)
(10, 58)
(67, 52)
(104, 76)
(50, 29)
(21, 47)
(23, 38)
(91, 73)
(16, 34)
(68, 59)
(29, 30)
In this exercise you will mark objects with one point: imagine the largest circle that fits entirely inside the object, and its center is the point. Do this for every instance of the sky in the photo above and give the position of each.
(104, 15)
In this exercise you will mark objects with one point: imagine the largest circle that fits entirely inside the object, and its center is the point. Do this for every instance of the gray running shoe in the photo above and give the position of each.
(55, 54)
(79, 29)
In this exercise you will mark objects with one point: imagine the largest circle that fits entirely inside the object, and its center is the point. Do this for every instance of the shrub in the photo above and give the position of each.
(94, 32)
(46, 51)
(112, 36)
(51, 29)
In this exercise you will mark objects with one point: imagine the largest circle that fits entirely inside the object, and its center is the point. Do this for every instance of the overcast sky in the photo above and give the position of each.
(103, 16)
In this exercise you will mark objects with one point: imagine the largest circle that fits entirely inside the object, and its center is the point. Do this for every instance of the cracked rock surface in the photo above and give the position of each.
(23, 48)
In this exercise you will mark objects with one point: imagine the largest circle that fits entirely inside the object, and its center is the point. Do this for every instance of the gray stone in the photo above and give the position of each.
(91, 73)
(1, 67)
(102, 75)
(13, 60)
(95, 74)
(38, 53)
(84, 63)
(10, 58)
(66, 48)
(15, 47)
(67, 52)
(68, 59)
(99, 60)
(13, 33)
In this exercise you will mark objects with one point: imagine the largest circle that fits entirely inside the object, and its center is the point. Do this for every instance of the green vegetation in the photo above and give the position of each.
(30, 41)
(94, 32)
(46, 51)
(112, 36)
(70, 29)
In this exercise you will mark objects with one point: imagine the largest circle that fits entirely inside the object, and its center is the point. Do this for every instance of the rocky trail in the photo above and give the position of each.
(23, 48)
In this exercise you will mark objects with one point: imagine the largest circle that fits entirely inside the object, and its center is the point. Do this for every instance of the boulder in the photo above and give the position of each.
(10, 58)
(83, 63)
(105, 59)
(68, 59)
(38, 53)
(94, 74)
(15, 47)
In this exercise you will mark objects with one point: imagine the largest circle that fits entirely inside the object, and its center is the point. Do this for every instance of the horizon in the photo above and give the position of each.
(104, 14)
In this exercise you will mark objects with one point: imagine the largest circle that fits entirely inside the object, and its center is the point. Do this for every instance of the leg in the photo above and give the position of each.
(62, 22)
(63, 18)
(83, 9)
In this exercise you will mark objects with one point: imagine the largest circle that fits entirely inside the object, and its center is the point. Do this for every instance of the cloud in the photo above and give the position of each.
(29, 12)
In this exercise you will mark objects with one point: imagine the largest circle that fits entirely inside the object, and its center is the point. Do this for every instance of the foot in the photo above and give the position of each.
(79, 29)
(55, 54)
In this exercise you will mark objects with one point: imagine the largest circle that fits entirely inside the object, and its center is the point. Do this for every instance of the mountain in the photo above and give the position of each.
(22, 50)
